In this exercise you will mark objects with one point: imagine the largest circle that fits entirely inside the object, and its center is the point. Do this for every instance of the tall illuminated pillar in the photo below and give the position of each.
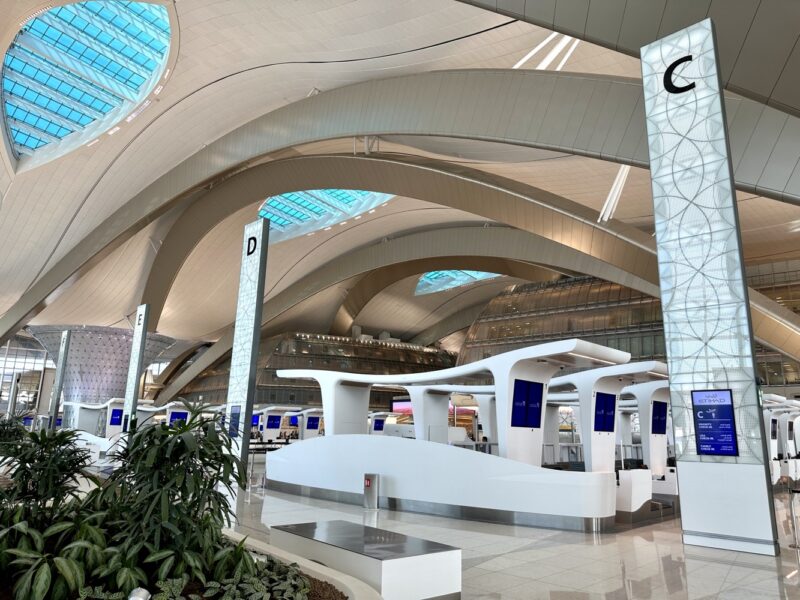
(135, 368)
(246, 335)
(58, 384)
(723, 477)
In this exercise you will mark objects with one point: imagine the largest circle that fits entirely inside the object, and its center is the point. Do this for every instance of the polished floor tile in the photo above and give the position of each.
(521, 563)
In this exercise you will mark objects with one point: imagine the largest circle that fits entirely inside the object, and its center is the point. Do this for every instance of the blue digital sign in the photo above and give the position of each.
(714, 424)
(116, 417)
(605, 412)
(659, 426)
(293, 421)
(377, 425)
(233, 428)
(255, 420)
(176, 415)
(526, 408)
(273, 421)
(312, 423)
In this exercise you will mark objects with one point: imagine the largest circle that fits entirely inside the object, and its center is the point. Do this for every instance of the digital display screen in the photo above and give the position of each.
(116, 417)
(27, 421)
(58, 422)
(791, 429)
(254, 421)
(714, 424)
(773, 429)
(312, 423)
(377, 425)
(233, 428)
(293, 421)
(659, 418)
(604, 412)
(273, 421)
(178, 416)
(526, 409)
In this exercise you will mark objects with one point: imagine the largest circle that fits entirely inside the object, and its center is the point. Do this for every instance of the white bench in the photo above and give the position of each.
(399, 567)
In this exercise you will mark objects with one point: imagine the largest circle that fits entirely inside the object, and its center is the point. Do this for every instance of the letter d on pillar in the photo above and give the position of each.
(246, 335)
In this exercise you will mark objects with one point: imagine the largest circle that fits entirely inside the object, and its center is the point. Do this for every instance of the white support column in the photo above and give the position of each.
(487, 415)
(552, 422)
(598, 446)
(12, 394)
(518, 443)
(431, 411)
(345, 406)
(654, 446)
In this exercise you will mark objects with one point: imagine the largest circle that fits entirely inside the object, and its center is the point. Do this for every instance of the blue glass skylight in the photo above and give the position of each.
(439, 281)
(73, 66)
(297, 213)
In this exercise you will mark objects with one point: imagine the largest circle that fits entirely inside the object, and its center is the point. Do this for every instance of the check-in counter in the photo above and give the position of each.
(634, 490)
(668, 485)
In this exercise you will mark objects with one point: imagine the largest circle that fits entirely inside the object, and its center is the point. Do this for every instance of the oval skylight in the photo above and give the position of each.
(298, 213)
(81, 68)
(439, 281)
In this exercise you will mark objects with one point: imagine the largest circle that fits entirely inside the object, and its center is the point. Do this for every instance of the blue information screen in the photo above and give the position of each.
(116, 417)
(605, 414)
(273, 421)
(312, 423)
(178, 416)
(659, 418)
(378, 425)
(714, 424)
(293, 421)
(233, 428)
(526, 408)
(254, 421)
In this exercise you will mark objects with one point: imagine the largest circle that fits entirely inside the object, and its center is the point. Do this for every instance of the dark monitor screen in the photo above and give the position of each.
(714, 423)
(178, 416)
(526, 409)
(293, 421)
(377, 424)
(116, 417)
(659, 418)
(605, 412)
(312, 423)
(58, 422)
(273, 421)
(27, 421)
(773, 429)
(791, 430)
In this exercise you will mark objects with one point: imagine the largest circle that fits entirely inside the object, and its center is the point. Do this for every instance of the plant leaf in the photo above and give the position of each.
(41, 583)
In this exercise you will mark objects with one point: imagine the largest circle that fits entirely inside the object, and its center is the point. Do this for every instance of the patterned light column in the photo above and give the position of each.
(135, 368)
(726, 499)
(12, 395)
(58, 384)
(246, 335)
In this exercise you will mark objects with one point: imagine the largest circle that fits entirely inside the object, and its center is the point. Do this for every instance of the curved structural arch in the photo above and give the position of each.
(470, 190)
(590, 115)
(505, 244)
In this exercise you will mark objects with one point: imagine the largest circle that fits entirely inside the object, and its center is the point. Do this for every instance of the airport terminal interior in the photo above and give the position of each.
(402, 299)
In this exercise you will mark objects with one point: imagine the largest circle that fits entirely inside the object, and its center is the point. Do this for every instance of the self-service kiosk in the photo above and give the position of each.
(309, 423)
(379, 420)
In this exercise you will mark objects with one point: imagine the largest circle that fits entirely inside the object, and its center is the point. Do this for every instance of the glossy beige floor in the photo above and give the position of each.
(503, 562)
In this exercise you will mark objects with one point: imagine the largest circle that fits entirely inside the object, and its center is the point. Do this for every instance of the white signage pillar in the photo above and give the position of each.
(12, 395)
(246, 335)
(726, 499)
(58, 384)
(135, 369)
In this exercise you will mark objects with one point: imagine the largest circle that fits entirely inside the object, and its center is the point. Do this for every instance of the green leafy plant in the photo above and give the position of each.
(157, 521)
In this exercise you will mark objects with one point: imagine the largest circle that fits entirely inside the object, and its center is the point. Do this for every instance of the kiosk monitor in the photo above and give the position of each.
(312, 423)
(526, 408)
(791, 429)
(714, 423)
(773, 429)
(293, 421)
(254, 421)
(116, 417)
(377, 425)
(178, 416)
(659, 426)
(273, 421)
(27, 421)
(604, 412)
